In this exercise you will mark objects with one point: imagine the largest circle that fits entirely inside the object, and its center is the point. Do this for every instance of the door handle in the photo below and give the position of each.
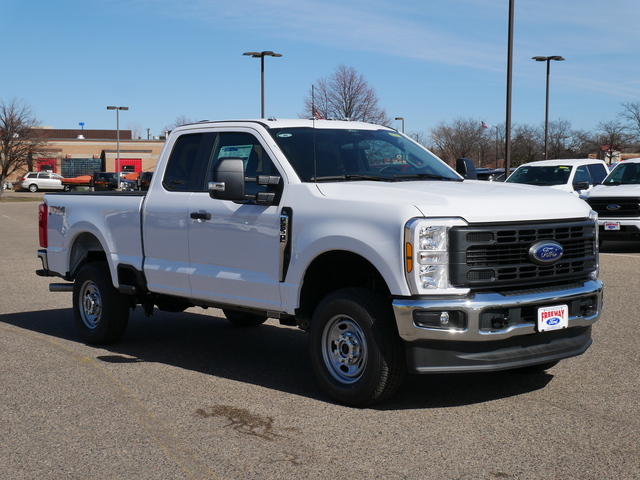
(200, 216)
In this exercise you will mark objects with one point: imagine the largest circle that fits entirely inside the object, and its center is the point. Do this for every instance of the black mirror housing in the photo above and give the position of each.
(466, 168)
(580, 185)
(228, 180)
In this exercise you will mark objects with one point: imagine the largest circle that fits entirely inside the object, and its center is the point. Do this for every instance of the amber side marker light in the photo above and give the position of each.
(408, 249)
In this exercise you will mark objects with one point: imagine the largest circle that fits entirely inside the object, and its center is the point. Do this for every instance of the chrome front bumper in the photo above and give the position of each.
(517, 343)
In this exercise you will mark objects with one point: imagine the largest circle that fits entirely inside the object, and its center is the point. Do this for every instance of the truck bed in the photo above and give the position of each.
(110, 218)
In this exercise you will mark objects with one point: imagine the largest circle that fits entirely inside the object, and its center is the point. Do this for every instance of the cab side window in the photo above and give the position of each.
(184, 165)
(598, 173)
(582, 175)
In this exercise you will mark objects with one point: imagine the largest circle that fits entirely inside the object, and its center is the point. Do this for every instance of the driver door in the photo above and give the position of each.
(234, 247)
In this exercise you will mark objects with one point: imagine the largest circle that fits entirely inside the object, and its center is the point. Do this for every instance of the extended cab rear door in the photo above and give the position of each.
(166, 215)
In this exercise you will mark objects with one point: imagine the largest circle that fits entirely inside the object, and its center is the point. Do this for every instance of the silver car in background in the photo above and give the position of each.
(34, 181)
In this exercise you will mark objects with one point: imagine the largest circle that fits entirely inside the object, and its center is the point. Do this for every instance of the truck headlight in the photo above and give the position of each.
(427, 255)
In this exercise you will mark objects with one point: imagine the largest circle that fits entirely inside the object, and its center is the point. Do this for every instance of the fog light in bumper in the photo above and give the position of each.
(443, 320)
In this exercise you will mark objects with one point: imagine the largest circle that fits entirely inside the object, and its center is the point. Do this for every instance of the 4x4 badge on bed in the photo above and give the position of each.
(545, 252)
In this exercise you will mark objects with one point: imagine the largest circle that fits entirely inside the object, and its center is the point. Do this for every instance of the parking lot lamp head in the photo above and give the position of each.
(261, 56)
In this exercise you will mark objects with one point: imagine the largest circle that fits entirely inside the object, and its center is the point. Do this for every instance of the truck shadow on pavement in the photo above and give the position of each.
(269, 356)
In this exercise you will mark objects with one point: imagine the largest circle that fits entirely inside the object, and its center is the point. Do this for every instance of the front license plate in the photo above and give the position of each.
(553, 318)
(612, 226)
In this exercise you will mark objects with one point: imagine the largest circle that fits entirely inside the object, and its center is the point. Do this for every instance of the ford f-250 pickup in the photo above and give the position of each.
(617, 202)
(390, 259)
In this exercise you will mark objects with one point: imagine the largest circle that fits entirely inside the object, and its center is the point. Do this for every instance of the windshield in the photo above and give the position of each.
(541, 175)
(625, 174)
(341, 155)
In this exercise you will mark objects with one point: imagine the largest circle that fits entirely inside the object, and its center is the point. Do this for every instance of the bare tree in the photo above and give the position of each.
(178, 122)
(136, 130)
(464, 138)
(344, 95)
(631, 113)
(528, 144)
(561, 139)
(612, 136)
(419, 137)
(20, 139)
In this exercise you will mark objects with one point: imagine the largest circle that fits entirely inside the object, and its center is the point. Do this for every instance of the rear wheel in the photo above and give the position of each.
(244, 319)
(33, 188)
(100, 311)
(356, 353)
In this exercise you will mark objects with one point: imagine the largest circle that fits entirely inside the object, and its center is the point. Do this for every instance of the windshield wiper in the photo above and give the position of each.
(428, 175)
(350, 177)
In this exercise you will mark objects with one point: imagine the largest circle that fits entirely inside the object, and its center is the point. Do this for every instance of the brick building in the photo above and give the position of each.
(82, 152)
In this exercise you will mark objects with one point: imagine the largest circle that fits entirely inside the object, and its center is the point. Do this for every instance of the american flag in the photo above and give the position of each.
(484, 125)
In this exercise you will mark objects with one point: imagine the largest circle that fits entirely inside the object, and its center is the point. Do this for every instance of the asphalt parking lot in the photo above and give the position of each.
(187, 396)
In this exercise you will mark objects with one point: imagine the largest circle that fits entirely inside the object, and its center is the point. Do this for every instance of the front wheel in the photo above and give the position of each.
(100, 311)
(356, 353)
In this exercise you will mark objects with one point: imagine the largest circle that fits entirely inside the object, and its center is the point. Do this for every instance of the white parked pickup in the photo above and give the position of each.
(617, 202)
(390, 259)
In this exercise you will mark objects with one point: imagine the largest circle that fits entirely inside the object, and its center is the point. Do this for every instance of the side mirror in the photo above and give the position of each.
(228, 180)
(580, 185)
(466, 168)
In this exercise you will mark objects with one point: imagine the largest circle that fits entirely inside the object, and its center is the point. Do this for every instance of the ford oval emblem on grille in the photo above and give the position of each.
(545, 252)
(613, 207)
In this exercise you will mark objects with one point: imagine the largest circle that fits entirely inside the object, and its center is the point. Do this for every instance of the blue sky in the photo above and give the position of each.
(430, 61)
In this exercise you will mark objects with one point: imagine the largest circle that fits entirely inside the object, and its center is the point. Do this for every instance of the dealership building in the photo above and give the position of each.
(71, 153)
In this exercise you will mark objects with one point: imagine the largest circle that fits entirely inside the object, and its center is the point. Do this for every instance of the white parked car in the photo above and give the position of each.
(34, 181)
(570, 175)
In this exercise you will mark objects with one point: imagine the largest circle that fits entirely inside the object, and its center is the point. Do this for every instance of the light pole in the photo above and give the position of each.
(507, 123)
(261, 56)
(117, 109)
(402, 119)
(557, 58)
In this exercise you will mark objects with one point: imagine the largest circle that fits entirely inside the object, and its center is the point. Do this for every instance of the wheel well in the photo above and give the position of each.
(335, 270)
(86, 249)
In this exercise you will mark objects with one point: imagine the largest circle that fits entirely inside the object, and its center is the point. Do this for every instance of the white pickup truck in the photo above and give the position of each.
(617, 201)
(391, 260)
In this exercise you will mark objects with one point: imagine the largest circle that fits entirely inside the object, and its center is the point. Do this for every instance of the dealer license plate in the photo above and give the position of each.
(553, 318)
(612, 226)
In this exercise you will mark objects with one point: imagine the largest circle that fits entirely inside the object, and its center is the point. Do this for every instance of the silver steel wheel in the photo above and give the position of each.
(91, 305)
(344, 349)
(100, 311)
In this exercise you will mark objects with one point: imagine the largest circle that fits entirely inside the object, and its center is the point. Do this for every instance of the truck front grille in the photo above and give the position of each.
(490, 256)
(616, 206)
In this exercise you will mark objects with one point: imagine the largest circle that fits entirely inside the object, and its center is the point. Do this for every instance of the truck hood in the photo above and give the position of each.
(614, 191)
(475, 201)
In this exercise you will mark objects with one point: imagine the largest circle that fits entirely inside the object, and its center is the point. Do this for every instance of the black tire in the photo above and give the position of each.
(244, 319)
(66, 188)
(356, 353)
(33, 188)
(100, 311)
